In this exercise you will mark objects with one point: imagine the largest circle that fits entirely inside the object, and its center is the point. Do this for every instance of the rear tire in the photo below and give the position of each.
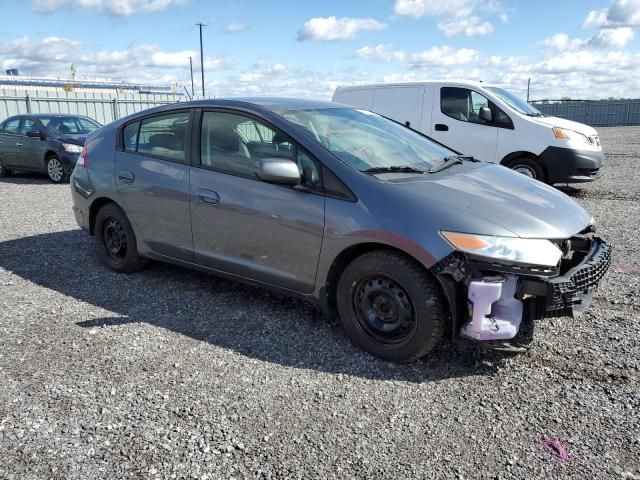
(116, 242)
(528, 167)
(55, 170)
(390, 306)
(4, 171)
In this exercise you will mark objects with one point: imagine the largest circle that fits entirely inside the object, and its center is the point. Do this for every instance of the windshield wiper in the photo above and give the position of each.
(450, 161)
(393, 169)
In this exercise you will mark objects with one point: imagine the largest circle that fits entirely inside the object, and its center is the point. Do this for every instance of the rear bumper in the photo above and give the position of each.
(566, 165)
(69, 161)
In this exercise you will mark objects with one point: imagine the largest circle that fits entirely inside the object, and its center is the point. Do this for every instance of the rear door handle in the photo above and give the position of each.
(208, 196)
(126, 177)
(441, 127)
(18, 144)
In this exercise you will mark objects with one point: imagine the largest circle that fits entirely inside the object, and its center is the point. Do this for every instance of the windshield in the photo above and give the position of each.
(514, 102)
(366, 140)
(69, 125)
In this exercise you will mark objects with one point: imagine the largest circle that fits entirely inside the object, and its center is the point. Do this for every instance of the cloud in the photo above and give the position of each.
(606, 38)
(235, 27)
(381, 53)
(443, 57)
(327, 29)
(471, 27)
(621, 13)
(559, 42)
(121, 8)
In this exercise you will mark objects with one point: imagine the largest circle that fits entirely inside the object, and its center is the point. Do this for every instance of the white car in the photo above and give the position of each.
(488, 123)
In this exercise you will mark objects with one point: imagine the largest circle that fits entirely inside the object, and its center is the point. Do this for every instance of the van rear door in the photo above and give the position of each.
(400, 103)
(456, 123)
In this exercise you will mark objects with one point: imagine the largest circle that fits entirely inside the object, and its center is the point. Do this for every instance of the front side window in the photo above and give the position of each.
(464, 105)
(234, 144)
(365, 140)
(11, 126)
(164, 136)
(29, 126)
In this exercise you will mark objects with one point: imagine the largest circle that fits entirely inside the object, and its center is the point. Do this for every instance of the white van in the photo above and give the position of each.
(489, 123)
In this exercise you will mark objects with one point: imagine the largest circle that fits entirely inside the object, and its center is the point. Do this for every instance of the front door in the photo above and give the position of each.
(456, 123)
(247, 227)
(152, 174)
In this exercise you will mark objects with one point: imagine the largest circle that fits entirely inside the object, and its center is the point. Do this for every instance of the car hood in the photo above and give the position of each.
(74, 139)
(492, 198)
(568, 124)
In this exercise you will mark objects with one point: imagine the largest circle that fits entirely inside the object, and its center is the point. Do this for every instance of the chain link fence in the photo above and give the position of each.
(598, 113)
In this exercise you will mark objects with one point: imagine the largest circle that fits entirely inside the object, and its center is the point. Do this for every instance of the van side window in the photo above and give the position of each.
(164, 136)
(464, 105)
(234, 144)
(130, 137)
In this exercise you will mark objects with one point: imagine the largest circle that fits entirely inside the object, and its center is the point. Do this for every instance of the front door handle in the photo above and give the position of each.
(18, 144)
(126, 177)
(441, 127)
(208, 196)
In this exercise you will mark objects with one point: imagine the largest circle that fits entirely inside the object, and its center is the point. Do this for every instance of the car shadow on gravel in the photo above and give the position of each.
(245, 319)
(26, 179)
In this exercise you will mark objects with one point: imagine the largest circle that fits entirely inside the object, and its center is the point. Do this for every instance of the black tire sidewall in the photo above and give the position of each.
(132, 262)
(428, 305)
(4, 171)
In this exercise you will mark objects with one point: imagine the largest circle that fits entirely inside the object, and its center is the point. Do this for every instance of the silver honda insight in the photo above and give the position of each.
(402, 238)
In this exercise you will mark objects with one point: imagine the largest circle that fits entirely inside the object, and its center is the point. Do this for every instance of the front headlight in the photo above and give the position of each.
(71, 148)
(569, 135)
(533, 251)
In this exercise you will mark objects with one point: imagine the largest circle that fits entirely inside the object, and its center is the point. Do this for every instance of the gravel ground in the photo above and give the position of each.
(175, 374)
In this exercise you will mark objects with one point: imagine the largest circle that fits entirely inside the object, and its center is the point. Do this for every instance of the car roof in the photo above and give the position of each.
(275, 104)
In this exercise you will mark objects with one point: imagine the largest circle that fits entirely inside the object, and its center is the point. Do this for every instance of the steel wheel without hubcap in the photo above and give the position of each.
(114, 239)
(55, 170)
(383, 309)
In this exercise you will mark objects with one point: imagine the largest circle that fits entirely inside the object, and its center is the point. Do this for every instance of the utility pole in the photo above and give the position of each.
(193, 91)
(528, 88)
(201, 56)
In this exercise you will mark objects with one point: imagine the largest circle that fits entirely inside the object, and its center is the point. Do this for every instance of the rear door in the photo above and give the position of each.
(30, 150)
(9, 135)
(247, 227)
(152, 174)
(457, 125)
(400, 103)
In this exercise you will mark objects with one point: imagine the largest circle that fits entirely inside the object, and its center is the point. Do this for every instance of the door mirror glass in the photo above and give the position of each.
(278, 170)
(486, 114)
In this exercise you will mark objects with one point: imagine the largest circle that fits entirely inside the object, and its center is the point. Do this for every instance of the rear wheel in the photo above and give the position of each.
(4, 171)
(528, 167)
(116, 241)
(390, 306)
(55, 171)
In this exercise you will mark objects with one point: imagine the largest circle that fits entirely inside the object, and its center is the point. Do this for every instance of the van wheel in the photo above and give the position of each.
(116, 243)
(527, 167)
(390, 306)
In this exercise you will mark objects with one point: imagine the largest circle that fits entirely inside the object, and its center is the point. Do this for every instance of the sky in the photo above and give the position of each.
(306, 48)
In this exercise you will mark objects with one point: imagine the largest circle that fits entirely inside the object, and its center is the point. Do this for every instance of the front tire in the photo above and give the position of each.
(528, 167)
(4, 171)
(390, 306)
(116, 242)
(55, 170)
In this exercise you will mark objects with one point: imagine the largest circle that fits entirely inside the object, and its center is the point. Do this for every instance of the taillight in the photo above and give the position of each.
(83, 159)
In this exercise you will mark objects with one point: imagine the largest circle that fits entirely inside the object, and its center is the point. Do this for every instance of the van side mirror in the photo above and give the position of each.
(278, 170)
(486, 115)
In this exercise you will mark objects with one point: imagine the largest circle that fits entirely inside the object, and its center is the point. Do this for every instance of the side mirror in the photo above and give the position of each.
(486, 114)
(278, 170)
(33, 134)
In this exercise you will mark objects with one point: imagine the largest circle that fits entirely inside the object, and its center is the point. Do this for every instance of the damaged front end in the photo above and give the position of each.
(491, 300)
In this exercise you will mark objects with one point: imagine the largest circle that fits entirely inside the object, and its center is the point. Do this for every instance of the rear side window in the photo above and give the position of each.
(164, 136)
(130, 137)
(11, 126)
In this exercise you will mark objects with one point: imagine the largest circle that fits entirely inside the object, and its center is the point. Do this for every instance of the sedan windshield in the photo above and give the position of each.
(514, 102)
(69, 125)
(367, 141)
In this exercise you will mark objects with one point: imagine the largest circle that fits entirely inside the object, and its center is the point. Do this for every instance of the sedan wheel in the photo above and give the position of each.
(55, 170)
